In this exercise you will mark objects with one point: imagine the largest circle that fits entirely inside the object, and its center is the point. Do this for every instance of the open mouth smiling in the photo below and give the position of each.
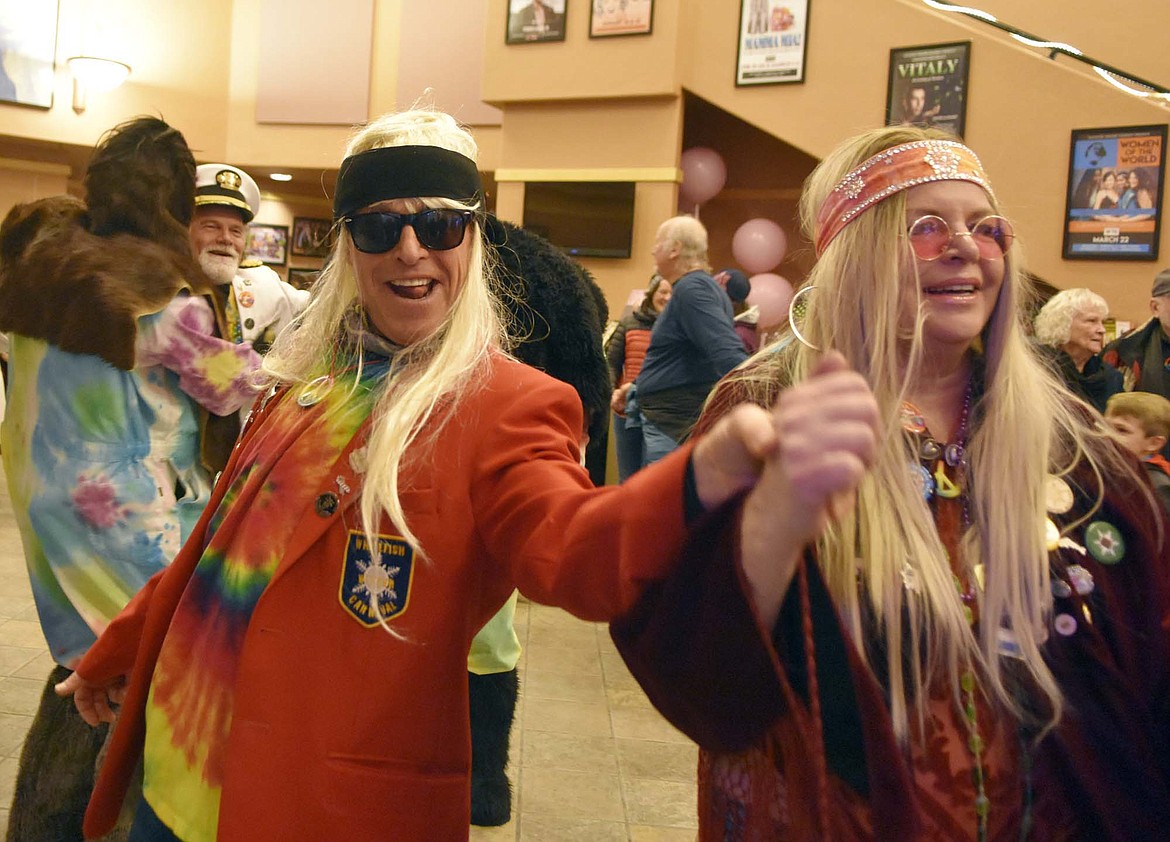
(413, 288)
(956, 288)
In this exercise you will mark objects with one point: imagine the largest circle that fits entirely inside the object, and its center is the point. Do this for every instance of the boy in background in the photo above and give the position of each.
(1141, 421)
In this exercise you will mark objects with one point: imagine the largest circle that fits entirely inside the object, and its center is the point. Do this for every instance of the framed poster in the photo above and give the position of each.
(535, 20)
(773, 37)
(28, 50)
(267, 243)
(311, 237)
(302, 278)
(621, 17)
(1113, 206)
(927, 86)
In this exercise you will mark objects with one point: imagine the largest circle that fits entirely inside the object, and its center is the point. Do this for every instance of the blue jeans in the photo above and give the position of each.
(656, 443)
(628, 444)
(148, 827)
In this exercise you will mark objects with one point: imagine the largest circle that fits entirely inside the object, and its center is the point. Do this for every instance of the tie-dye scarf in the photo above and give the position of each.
(189, 710)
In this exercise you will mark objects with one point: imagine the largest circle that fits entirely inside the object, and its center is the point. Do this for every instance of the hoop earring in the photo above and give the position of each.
(797, 311)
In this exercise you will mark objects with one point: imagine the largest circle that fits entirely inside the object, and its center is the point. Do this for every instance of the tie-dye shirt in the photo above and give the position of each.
(103, 464)
(189, 708)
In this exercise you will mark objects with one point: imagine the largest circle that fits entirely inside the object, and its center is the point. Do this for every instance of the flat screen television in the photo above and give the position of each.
(582, 218)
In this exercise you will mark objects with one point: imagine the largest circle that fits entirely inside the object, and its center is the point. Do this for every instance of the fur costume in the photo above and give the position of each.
(78, 276)
(81, 292)
(558, 314)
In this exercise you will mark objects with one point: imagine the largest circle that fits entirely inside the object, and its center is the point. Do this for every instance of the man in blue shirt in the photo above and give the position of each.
(693, 343)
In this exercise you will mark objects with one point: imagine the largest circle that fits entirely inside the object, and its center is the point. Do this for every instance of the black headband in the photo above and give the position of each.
(405, 172)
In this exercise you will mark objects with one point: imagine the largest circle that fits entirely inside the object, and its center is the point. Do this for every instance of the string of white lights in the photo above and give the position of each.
(1114, 76)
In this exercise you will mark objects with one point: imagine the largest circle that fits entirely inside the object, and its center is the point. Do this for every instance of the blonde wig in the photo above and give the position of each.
(428, 377)
(885, 560)
(1054, 321)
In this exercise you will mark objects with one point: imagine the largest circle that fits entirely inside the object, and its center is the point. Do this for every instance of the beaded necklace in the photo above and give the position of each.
(936, 483)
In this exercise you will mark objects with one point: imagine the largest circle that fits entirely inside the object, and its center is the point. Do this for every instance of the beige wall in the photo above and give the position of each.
(24, 181)
(249, 142)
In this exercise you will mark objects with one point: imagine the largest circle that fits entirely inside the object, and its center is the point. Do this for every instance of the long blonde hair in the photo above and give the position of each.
(428, 377)
(1027, 426)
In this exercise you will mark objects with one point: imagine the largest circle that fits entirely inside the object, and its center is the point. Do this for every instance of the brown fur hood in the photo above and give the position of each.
(79, 291)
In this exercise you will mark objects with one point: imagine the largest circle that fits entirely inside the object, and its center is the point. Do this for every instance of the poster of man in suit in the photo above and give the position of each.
(536, 20)
(927, 86)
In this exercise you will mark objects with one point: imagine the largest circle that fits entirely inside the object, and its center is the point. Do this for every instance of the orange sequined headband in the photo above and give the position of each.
(886, 173)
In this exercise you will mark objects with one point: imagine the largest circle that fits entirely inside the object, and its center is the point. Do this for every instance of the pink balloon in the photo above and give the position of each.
(759, 245)
(771, 293)
(704, 175)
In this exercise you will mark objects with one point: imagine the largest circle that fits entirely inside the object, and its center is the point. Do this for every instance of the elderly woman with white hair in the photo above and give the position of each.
(1071, 327)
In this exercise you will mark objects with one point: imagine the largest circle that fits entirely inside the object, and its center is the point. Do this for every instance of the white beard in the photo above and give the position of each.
(220, 269)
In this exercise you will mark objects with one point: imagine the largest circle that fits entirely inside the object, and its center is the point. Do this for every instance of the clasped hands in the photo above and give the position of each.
(803, 461)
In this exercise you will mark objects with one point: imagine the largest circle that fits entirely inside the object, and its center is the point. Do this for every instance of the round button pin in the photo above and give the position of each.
(912, 420)
(314, 391)
(1065, 624)
(1104, 542)
(326, 504)
(1081, 579)
(1058, 496)
(954, 455)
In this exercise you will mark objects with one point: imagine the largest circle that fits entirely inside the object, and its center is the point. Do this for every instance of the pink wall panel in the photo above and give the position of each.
(315, 58)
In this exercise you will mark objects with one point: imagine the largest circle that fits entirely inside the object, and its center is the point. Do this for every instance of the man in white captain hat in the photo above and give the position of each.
(254, 304)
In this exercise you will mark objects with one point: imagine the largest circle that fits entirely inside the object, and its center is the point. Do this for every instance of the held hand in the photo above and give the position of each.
(731, 456)
(827, 429)
(94, 701)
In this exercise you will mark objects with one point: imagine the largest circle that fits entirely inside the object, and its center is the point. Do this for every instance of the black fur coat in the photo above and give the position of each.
(558, 317)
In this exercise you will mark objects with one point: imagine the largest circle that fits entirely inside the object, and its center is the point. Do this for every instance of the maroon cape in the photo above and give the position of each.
(696, 646)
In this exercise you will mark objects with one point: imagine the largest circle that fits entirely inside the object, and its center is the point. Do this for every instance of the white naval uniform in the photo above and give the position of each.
(265, 302)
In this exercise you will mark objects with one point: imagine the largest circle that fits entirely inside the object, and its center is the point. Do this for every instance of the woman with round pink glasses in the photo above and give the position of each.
(944, 610)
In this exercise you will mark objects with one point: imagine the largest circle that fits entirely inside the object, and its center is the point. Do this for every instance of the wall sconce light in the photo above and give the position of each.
(99, 74)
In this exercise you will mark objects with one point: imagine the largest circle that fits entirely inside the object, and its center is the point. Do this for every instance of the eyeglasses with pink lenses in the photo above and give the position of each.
(931, 236)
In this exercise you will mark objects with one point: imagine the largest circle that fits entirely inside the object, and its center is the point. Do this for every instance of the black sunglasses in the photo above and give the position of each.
(438, 229)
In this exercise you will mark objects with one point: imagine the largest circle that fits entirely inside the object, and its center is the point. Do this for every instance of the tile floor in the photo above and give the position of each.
(591, 759)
